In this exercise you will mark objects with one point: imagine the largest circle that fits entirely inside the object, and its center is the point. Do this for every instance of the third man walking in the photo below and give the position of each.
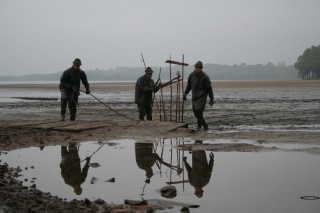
(200, 84)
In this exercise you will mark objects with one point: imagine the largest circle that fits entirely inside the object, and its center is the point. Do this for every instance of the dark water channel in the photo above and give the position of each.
(272, 181)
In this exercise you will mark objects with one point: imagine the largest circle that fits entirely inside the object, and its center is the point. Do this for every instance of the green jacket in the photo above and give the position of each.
(70, 79)
(200, 85)
(143, 91)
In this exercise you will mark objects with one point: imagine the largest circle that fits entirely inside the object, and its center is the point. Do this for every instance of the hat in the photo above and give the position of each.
(199, 192)
(77, 61)
(198, 64)
(77, 189)
(149, 70)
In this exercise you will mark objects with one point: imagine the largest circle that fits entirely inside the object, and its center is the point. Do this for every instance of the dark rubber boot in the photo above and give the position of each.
(141, 117)
(204, 124)
(199, 123)
(63, 108)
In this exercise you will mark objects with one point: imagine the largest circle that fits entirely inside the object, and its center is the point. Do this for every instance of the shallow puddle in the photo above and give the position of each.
(272, 181)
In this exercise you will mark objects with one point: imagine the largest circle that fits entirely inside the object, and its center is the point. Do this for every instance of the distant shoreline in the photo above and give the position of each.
(215, 84)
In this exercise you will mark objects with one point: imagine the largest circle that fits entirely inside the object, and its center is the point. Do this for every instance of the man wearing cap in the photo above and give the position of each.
(200, 84)
(69, 87)
(145, 86)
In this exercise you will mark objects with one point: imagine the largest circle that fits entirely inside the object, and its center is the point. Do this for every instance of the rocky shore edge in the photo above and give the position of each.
(14, 197)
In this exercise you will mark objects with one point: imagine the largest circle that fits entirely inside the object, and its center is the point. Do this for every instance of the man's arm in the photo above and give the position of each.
(188, 88)
(85, 82)
(63, 81)
(208, 88)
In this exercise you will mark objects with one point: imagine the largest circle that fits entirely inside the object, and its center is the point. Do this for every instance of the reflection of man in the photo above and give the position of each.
(200, 173)
(71, 167)
(145, 158)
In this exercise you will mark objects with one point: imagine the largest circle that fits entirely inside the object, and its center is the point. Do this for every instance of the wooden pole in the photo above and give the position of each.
(178, 95)
(163, 107)
(180, 104)
(170, 94)
(177, 102)
(182, 89)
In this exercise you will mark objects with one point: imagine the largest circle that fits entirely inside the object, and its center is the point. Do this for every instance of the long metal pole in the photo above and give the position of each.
(170, 94)
(163, 107)
(177, 96)
(179, 102)
(182, 89)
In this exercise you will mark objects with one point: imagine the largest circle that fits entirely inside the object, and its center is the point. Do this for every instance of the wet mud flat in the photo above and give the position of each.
(267, 117)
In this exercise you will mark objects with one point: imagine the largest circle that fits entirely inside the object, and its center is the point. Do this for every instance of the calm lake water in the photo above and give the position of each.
(272, 181)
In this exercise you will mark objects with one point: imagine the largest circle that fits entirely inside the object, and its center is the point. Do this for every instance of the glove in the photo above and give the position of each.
(87, 91)
(211, 101)
(88, 159)
(184, 96)
(157, 87)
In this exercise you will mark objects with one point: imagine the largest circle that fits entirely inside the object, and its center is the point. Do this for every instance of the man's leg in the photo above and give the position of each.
(204, 124)
(73, 107)
(141, 111)
(200, 120)
(198, 117)
(63, 103)
(149, 112)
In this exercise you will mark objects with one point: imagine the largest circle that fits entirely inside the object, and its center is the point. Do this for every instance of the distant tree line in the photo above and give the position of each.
(308, 63)
(243, 71)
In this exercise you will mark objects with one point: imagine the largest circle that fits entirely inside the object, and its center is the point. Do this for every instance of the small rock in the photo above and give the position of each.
(93, 180)
(99, 201)
(111, 180)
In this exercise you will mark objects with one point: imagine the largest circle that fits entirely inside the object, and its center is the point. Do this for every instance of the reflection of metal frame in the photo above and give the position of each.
(178, 168)
(179, 105)
(198, 173)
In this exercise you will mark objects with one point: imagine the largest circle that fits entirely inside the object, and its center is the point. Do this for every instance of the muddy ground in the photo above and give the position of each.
(261, 125)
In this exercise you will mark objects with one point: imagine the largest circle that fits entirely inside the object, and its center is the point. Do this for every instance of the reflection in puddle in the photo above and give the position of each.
(216, 182)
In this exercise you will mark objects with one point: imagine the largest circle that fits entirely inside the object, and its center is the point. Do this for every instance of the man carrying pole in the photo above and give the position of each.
(70, 86)
(145, 86)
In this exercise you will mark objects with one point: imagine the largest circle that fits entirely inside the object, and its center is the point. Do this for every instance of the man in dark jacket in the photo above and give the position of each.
(69, 87)
(145, 87)
(200, 84)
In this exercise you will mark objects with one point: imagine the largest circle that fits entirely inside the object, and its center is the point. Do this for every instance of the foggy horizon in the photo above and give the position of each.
(42, 37)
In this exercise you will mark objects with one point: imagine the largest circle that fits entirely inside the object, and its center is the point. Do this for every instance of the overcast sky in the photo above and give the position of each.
(44, 36)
